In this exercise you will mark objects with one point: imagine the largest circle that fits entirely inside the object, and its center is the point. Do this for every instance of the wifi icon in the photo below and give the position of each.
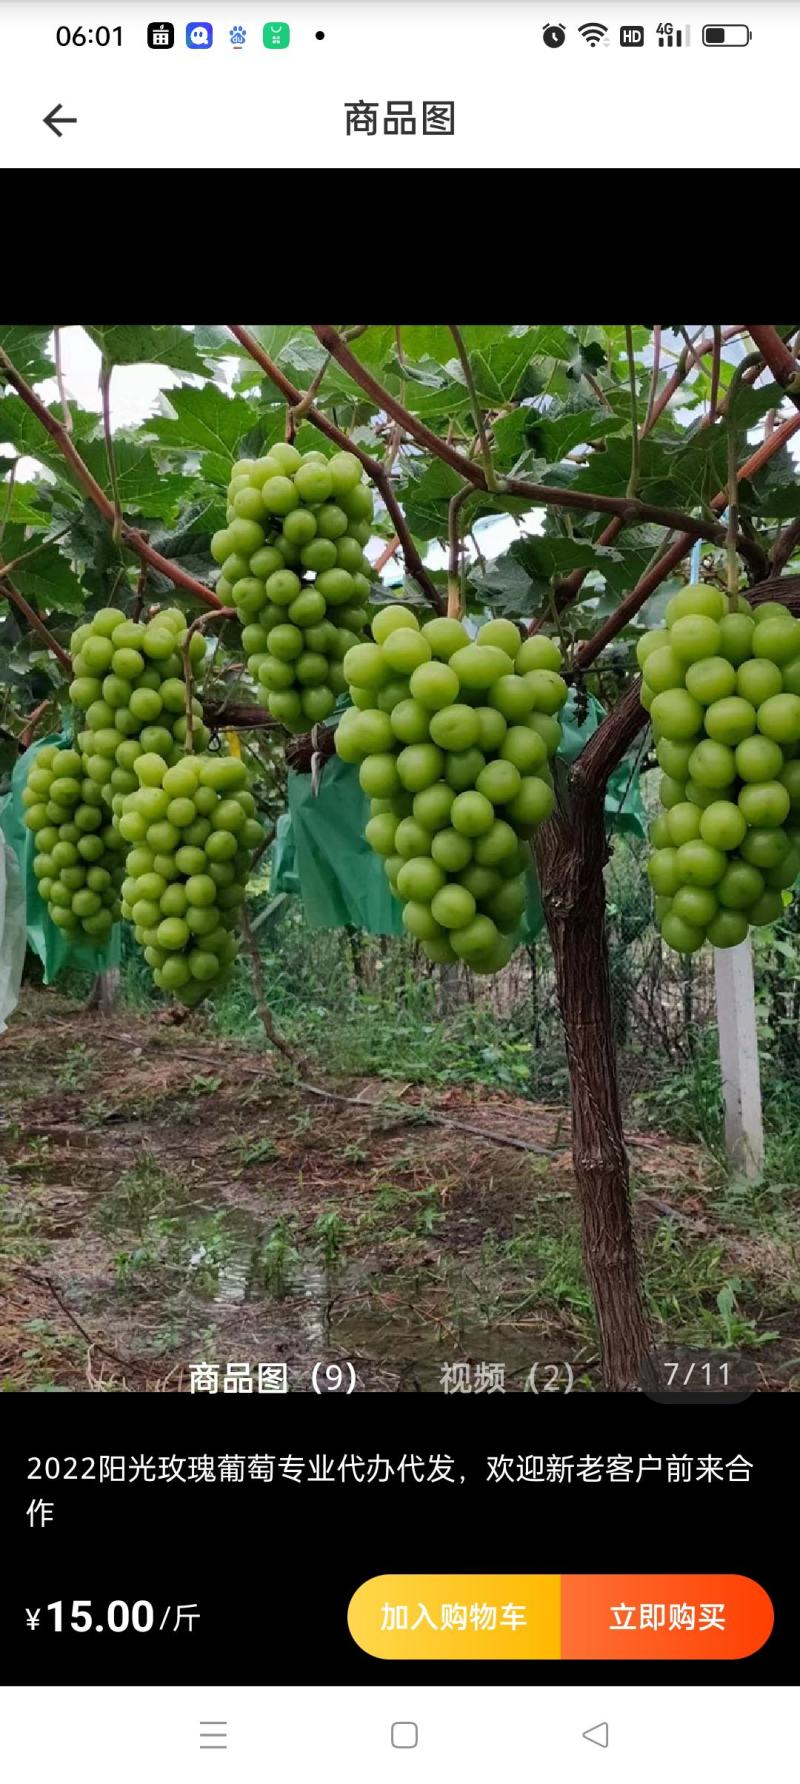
(593, 34)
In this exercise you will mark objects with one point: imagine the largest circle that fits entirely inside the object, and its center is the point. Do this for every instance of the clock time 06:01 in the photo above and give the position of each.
(75, 36)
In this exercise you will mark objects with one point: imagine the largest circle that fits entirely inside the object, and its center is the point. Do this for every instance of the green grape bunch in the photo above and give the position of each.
(77, 862)
(129, 683)
(721, 682)
(293, 565)
(454, 739)
(190, 830)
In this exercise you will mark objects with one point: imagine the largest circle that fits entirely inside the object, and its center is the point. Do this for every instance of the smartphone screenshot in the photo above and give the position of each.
(397, 85)
(399, 1030)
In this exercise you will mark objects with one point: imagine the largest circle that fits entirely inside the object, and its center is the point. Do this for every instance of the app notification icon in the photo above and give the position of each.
(276, 35)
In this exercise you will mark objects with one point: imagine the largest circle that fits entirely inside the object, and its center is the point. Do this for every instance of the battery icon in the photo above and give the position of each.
(726, 37)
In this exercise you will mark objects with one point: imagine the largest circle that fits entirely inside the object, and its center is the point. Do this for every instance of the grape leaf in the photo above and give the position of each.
(143, 487)
(141, 344)
(425, 499)
(24, 507)
(377, 347)
(775, 490)
(21, 429)
(27, 349)
(496, 368)
(207, 422)
(45, 577)
(751, 402)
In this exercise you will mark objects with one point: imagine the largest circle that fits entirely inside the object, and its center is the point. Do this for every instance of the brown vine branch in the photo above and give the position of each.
(388, 552)
(62, 395)
(129, 535)
(569, 588)
(27, 733)
(9, 487)
(658, 572)
(455, 603)
(141, 589)
(778, 588)
(683, 368)
(779, 358)
(716, 364)
(633, 480)
(238, 717)
(298, 413)
(264, 1011)
(610, 742)
(197, 625)
(373, 469)
(785, 546)
(653, 376)
(36, 624)
(731, 560)
(106, 369)
(631, 512)
(477, 412)
(614, 736)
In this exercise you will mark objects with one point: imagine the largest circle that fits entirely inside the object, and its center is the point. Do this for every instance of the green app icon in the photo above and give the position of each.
(276, 36)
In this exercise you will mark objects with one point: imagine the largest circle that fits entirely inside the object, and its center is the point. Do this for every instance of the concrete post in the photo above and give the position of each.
(738, 1053)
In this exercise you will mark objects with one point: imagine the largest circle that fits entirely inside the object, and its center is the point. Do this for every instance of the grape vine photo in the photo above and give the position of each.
(399, 827)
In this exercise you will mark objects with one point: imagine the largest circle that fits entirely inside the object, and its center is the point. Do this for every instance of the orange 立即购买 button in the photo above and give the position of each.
(550, 1616)
(662, 1616)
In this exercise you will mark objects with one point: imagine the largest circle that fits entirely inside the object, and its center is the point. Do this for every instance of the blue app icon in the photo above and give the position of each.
(199, 35)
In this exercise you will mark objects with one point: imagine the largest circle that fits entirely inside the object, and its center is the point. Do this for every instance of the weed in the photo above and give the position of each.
(737, 1330)
(330, 1233)
(130, 1266)
(37, 1151)
(41, 1357)
(202, 1249)
(428, 1213)
(77, 1068)
(139, 1196)
(254, 1152)
(279, 1257)
(100, 1110)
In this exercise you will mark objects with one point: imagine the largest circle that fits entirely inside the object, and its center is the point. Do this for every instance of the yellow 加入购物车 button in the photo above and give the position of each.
(458, 1616)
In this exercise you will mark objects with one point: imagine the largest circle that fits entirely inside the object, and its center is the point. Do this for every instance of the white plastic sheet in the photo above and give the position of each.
(12, 932)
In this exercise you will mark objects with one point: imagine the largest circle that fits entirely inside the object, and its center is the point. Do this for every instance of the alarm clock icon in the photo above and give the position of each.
(554, 36)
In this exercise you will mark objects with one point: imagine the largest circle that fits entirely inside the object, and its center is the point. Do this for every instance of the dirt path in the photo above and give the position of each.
(170, 1198)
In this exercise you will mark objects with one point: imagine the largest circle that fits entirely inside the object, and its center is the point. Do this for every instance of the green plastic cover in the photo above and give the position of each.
(320, 848)
(342, 882)
(55, 949)
(283, 875)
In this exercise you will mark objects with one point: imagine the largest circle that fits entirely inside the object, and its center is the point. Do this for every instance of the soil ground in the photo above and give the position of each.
(169, 1198)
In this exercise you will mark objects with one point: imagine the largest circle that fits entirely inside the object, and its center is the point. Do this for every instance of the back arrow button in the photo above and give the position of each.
(597, 1735)
(53, 120)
